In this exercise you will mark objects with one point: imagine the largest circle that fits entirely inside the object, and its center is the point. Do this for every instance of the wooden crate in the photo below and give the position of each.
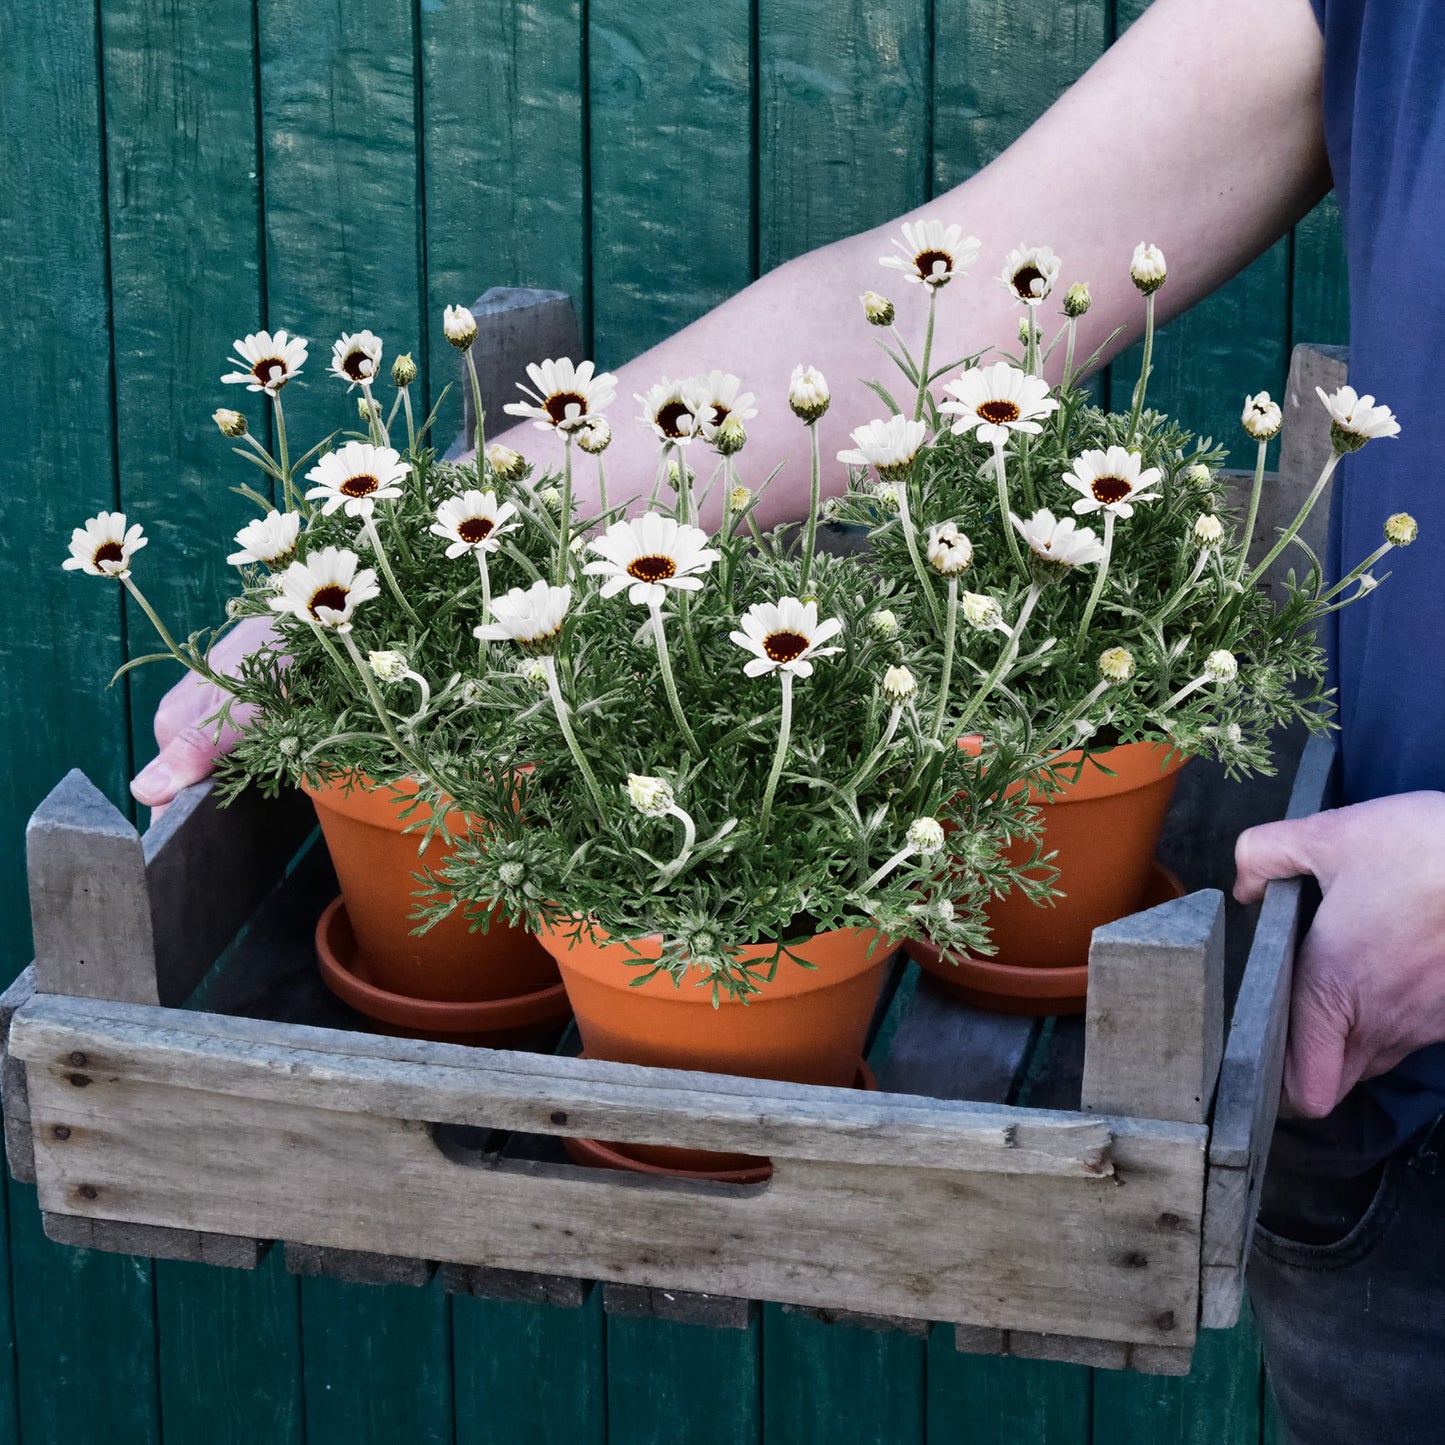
(177, 1082)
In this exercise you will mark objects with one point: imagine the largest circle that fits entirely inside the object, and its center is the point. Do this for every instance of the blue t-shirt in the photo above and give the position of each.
(1384, 109)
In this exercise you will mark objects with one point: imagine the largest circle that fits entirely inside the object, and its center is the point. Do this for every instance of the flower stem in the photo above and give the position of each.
(810, 530)
(684, 486)
(669, 682)
(1137, 409)
(1005, 510)
(374, 693)
(689, 840)
(1253, 510)
(368, 524)
(1288, 535)
(927, 354)
(1357, 573)
(481, 432)
(1100, 577)
(945, 679)
(1073, 327)
(373, 418)
(1006, 657)
(785, 729)
(410, 421)
(910, 540)
(166, 637)
(1031, 343)
(288, 490)
(564, 522)
(879, 748)
(564, 722)
(486, 586)
(601, 486)
(902, 855)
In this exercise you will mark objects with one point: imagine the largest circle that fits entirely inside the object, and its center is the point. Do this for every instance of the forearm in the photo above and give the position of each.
(1199, 130)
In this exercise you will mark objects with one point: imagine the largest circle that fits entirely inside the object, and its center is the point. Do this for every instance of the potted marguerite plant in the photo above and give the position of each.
(1094, 553)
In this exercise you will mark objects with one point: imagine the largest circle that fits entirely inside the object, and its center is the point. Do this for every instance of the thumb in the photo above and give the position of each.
(1319, 1032)
(1274, 850)
(188, 757)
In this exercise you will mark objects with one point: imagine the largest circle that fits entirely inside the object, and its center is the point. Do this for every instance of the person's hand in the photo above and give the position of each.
(188, 747)
(1369, 979)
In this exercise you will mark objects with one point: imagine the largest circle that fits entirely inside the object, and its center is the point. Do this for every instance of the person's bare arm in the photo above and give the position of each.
(1200, 131)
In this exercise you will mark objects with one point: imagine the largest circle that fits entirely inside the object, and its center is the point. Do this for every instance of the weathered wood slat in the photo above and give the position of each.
(632, 1301)
(879, 1324)
(14, 1092)
(482, 1282)
(1253, 1066)
(356, 1266)
(1155, 1017)
(154, 1241)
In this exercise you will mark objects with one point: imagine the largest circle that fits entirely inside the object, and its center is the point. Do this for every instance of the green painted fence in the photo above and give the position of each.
(176, 173)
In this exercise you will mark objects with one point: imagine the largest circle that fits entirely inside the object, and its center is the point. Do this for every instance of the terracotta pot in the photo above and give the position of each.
(808, 1026)
(1104, 830)
(375, 862)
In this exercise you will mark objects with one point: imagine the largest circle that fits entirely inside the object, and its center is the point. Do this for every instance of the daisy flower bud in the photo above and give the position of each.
(878, 309)
(403, 370)
(388, 666)
(883, 623)
(231, 423)
(363, 409)
(1147, 270)
(1077, 300)
(731, 437)
(981, 611)
(808, 393)
(1026, 326)
(533, 672)
(1116, 664)
(739, 498)
(1208, 530)
(886, 495)
(830, 508)
(1198, 476)
(506, 465)
(1221, 666)
(899, 684)
(949, 552)
(460, 326)
(652, 797)
(594, 436)
(511, 873)
(235, 609)
(1261, 417)
(550, 498)
(1400, 530)
(925, 835)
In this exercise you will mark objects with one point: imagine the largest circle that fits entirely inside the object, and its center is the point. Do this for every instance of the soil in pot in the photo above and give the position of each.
(375, 861)
(1104, 828)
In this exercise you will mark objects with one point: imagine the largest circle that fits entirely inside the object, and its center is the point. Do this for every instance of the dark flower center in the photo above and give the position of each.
(720, 413)
(1024, 279)
(927, 260)
(785, 646)
(357, 365)
(333, 595)
(109, 552)
(475, 529)
(556, 405)
(269, 369)
(656, 568)
(1109, 489)
(363, 484)
(999, 411)
(669, 419)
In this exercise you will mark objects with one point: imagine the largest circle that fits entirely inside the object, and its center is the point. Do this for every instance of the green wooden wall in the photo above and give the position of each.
(175, 174)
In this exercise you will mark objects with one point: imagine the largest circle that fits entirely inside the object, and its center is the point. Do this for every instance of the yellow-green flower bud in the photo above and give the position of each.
(231, 423)
(1401, 529)
(506, 465)
(460, 326)
(1116, 664)
(878, 309)
(731, 438)
(1077, 300)
(403, 370)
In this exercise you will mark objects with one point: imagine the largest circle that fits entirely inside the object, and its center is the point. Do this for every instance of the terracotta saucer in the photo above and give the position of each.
(745, 1168)
(488, 1022)
(1012, 988)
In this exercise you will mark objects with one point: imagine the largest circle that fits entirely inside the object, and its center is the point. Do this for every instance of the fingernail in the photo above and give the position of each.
(153, 785)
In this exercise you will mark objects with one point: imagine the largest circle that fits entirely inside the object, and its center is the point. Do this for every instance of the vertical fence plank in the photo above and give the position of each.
(343, 194)
(671, 166)
(378, 1364)
(827, 1384)
(527, 1373)
(505, 161)
(83, 1326)
(843, 135)
(982, 1400)
(184, 205)
(1319, 279)
(692, 1384)
(229, 1354)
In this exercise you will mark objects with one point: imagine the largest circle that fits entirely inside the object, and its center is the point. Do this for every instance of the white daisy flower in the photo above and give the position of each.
(356, 357)
(931, 254)
(982, 611)
(267, 362)
(1059, 542)
(1116, 664)
(104, 546)
(269, 539)
(389, 666)
(652, 797)
(1111, 481)
(650, 555)
(563, 396)
(949, 552)
(356, 476)
(473, 522)
(1261, 417)
(720, 397)
(325, 588)
(673, 409)
(460, 326)
(995, 401)
(1147, 270)
(808, 393)
(594, 436)
(1029, 273)
(888, 445)
(531, 616)
(1355, 419)
(785, 636)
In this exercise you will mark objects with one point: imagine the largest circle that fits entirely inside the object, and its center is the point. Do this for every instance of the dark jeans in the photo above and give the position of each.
(1347, 1280)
